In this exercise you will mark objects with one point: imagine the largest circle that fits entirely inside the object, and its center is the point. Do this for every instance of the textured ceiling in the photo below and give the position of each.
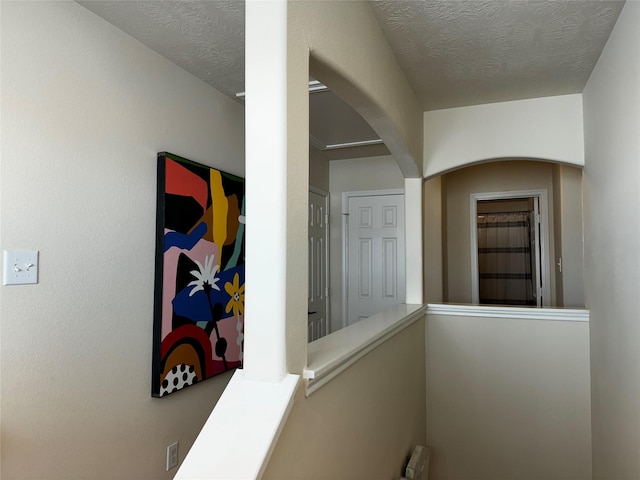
(468, 52)
(206, 38)
(453, 52)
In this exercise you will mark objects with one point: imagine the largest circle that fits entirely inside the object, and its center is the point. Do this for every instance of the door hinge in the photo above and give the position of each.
(326, 219)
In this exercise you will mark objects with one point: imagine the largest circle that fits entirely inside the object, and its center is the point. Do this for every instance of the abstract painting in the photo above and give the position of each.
(199, 281)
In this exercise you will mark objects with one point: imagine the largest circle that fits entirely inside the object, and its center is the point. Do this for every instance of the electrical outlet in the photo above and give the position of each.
(172, 456)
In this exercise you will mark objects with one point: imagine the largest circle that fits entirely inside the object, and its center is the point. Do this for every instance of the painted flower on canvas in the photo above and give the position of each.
(236, 292)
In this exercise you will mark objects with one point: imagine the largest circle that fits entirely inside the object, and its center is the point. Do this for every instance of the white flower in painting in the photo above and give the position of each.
(205, 276)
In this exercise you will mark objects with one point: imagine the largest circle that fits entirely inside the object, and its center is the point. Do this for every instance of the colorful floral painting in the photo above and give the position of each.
(199, 285)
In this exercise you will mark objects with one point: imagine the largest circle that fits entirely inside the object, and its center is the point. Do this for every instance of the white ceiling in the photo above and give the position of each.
(453, 52)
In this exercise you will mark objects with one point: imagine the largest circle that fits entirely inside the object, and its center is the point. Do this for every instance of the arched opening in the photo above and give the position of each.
(374, 158)
(458, 193)
(360, 170)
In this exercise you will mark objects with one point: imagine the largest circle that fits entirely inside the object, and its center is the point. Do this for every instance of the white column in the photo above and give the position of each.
(413, 235)
(266, 192)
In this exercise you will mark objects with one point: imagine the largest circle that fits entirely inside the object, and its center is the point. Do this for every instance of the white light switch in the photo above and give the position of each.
(20, 267)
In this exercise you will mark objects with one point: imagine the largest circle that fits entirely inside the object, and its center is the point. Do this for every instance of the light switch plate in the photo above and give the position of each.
(20, 267)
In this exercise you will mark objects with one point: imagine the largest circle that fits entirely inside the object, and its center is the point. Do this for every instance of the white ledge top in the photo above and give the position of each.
(332, 354)
(525, 313)
(237, 439)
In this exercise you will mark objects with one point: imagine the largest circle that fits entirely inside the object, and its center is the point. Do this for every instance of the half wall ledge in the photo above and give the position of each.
(328, 356)
(524, 313)
(237, 439)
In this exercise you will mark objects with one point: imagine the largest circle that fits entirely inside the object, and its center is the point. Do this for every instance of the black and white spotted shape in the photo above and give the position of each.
(179, 377)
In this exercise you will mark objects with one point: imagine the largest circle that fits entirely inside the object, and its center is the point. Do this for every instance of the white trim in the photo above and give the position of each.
(367, 193)
(251, 414)
(331, 355)
(361, 143)
(314, 87)
(325, 194)
(345, 236)
(524, 313)
(544, 240)
(334, 146)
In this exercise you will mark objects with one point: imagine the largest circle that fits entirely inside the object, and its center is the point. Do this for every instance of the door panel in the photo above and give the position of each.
(317, 291)
(365, 267)
(390, 268)
(375, 255)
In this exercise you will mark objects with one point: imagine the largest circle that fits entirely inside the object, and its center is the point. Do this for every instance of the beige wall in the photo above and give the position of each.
(508, 399)
(364, 423)
(84, 110)
(612, 258)
(556, 205)
(318, 170)
(345, 44)
(339, 43)
(372, 173)
(434, 227)
(569, 235)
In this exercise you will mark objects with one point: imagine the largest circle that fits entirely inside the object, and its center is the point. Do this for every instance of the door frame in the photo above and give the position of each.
(327, 300)
(345, 237)
(541, 194)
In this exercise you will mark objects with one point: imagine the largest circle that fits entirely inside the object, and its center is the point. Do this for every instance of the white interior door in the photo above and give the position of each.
(375, 255)
(318, 266)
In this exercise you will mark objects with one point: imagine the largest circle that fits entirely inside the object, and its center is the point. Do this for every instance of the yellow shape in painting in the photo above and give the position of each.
(220, 208)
